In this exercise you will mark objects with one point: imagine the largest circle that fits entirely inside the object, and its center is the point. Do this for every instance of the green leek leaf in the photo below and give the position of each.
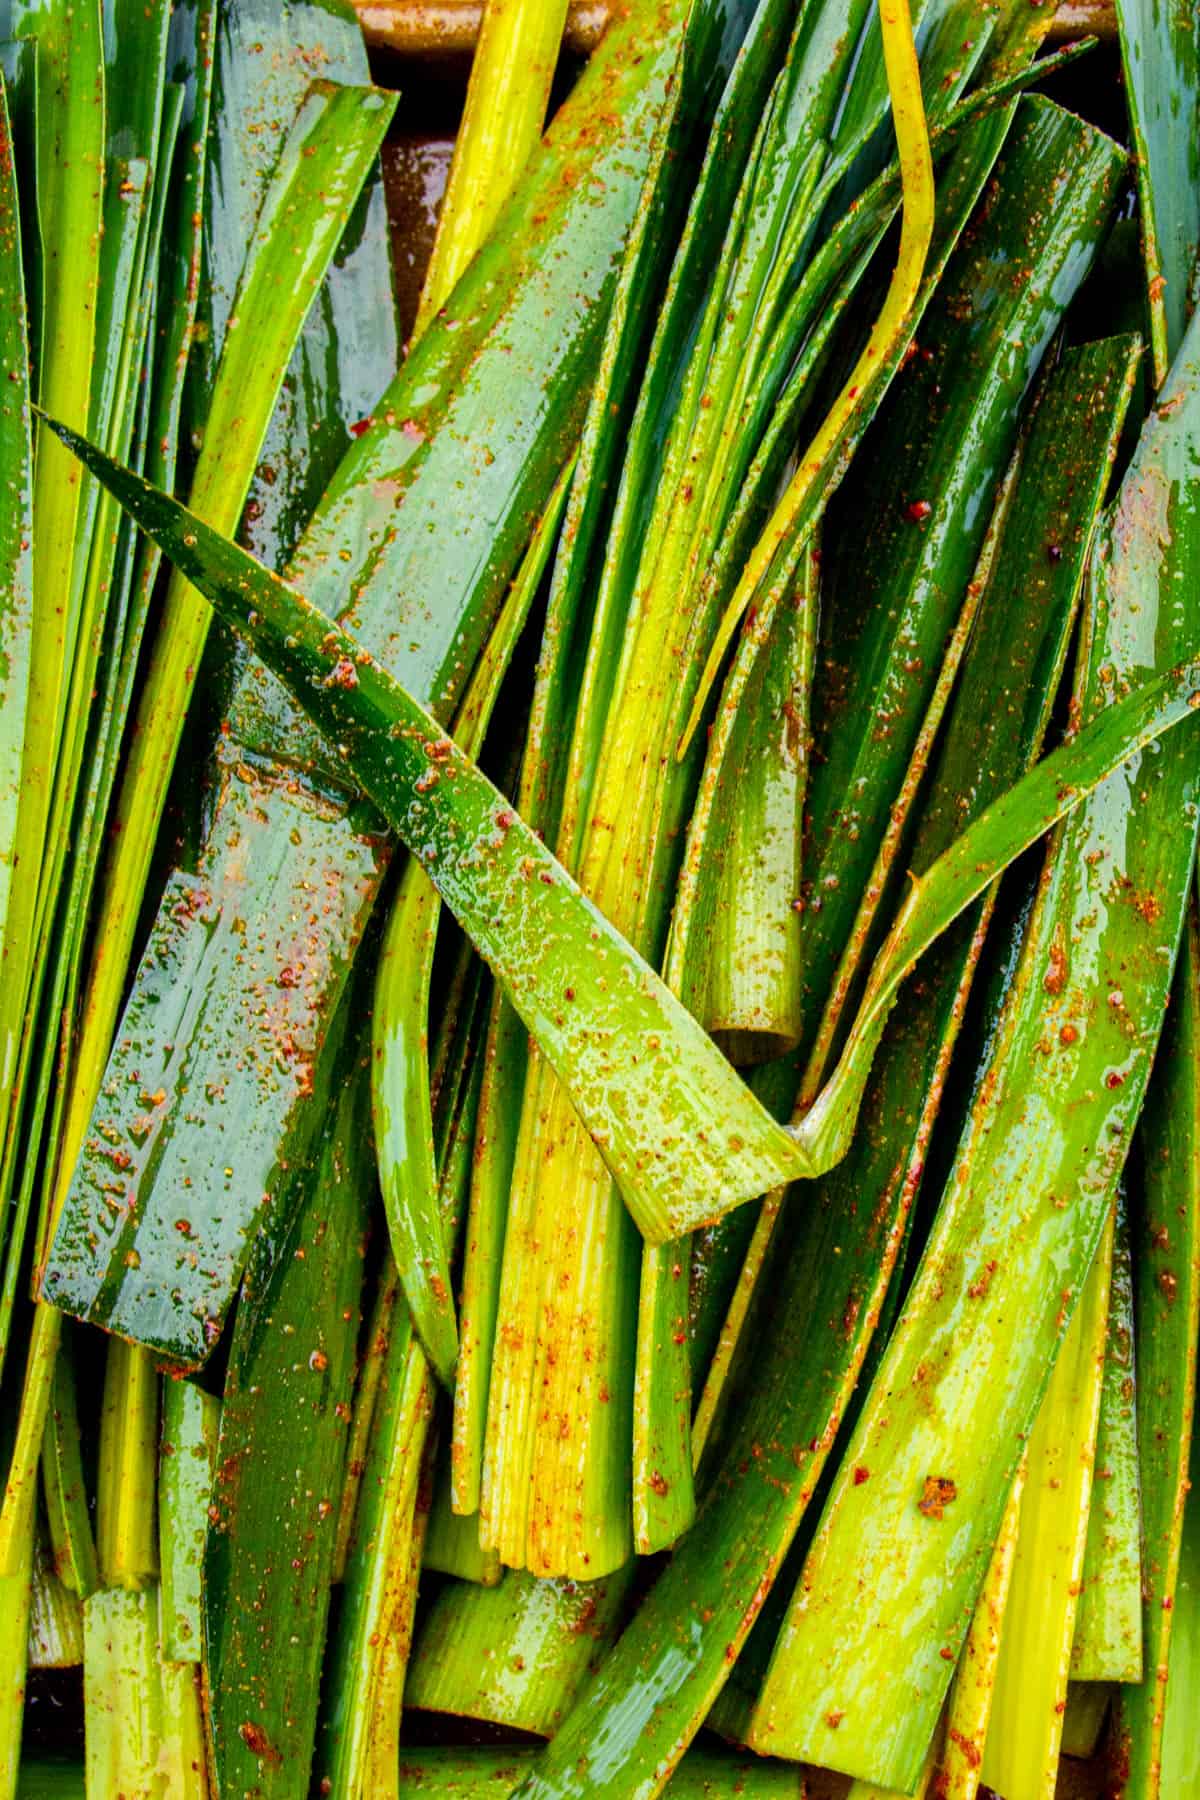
(1108, 1623)
(1166, 1224)
(1046, 1127)
(269, 1551)
(1020, 1754)
(1160, 51)
(276, 815)
(1180, 1766)
(683, 1136)
(516, 1654)
(16, 548)
(187, 1455)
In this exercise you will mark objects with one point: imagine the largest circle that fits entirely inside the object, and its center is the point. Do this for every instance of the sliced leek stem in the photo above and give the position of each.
(516, 53)
(127, 1483)
(1108, 1623)
(969, 1709)
(1020, 1755)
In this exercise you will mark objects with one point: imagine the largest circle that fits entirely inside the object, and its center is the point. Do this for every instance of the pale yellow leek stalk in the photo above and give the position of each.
(511, 75)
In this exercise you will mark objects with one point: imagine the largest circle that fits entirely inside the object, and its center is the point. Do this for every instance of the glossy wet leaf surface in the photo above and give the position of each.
(270, 1542)
(816, 1410)
(838, 1257)
(1095, 973)
(267, 815)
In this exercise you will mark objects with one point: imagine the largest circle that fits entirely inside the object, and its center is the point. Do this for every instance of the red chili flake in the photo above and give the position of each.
(1055, 977)
(1114, 1079)
(861, 1475)
(1067, 1035)
(980, 1286)
(360, 427)
(834, 1719)
(969, 1748)
(257, 1741)
(939, 1492)
(918, 510)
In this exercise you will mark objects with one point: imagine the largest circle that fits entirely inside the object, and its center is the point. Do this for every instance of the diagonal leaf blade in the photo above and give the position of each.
(679, 1130)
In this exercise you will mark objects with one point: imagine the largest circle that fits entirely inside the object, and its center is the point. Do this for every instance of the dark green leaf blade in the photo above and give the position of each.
(1166, 1223)
(269, 1552)
(16, 531)
(1160, 50)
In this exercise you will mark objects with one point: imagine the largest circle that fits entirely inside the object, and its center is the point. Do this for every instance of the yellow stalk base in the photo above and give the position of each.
(1020, 1758)
(556, 1468)
(969, 1709)
(127, 1486)
(515, 59)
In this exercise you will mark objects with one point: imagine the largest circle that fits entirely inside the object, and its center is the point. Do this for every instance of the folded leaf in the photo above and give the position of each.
(682, 1134)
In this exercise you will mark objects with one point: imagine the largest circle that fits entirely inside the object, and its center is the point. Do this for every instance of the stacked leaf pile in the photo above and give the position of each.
(599, 1086)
